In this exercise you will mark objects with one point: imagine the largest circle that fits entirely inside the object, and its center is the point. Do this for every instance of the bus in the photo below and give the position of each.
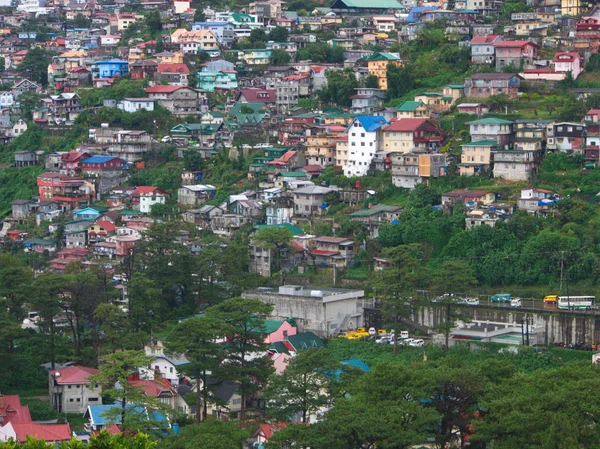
(550, 299)
(576, 302)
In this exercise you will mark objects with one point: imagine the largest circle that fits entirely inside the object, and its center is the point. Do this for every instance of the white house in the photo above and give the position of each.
(162, 364)
(71, 391)
(567, 61)
(136, 104)
(144, 197)
(364, 140)
(7, 99)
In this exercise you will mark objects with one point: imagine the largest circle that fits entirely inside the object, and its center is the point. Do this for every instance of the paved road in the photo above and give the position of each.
(529, 304)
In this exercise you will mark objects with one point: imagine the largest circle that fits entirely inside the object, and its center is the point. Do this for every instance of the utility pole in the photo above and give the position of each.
(562, 267)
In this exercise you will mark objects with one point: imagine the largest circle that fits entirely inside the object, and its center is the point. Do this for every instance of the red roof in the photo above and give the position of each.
(296, 77)
(267, 430)
(73, 156)
(406, 124)
(145, 190)
(312, 168)
(13, 412)
(73, 375)
(593, 112)
(259, 95)
(152, 388)
(565, 56)
(489, 39)
(514, 44)
(173, 68)
(283, 160)
(107, 225)
(46, 432)
(317, 68)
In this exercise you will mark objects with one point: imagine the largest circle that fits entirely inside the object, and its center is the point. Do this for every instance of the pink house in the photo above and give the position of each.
(275, 330)
(566, 61)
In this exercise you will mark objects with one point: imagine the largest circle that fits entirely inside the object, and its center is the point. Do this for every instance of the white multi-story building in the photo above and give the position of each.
(71, 391)
(364, 140)
(37, 7)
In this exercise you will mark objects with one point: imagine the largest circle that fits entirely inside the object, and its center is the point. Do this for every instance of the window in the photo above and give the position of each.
(71, 400)
(78, 399)
(92, 399)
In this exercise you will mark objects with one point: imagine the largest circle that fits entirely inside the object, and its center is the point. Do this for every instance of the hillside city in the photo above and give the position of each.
(335, 224)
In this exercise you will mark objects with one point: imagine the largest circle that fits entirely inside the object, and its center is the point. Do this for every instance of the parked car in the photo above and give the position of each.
(417, 343)
(516, 302)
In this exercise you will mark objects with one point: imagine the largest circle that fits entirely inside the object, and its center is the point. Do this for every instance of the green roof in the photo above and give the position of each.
(295, 230)
(238, 17)
(79, 220)
(481, 143)
(305, 340)
(430, 94)
(384, 56)
(129, 212)
(99, 208)
(279, 347)
(490, 121)
(456, 86)
(374, 210)
(203, 128)
(293, 174)
(269, 327)
(447, 98)
(409, 106)
(45, 242)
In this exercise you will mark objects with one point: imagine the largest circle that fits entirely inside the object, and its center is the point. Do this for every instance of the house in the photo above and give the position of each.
(279, 210)
(517, 54)
(323, 311)
(472, 108)
(517, 165)
(568, 62)
(143, 69)
(496, 129)
(291, 160)
(308, 200)
(255, 56)
(268, 96)
(195, 195)
(89, 213)
(217, 81)
(365, 136)
(412, 109)
(483, 50)
(410, 169)
(377, 65)
(111, 68)
(222, 30)
(534, 200)
(136, 104)
(130, 146)
(144, 197)
(374, 217)
(412, 134)
(22, 209)
(100, 230)
(71, 391)
(202, 216)
(483, 85)
(367, 100)
(332, 251)
(104, 417)
(164, 366)
(462, 197)
(25, 158)
(179, 100)
(568, 137)
(173, 74)
(476, 157)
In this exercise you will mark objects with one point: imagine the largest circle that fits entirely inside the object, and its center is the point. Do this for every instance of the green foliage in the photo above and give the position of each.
(122, 88)
(340, 87)
(321, 52)
(81, 21)
(213, 434)
(40, 410)
(279, 57)
(35, 65)
(279, 34)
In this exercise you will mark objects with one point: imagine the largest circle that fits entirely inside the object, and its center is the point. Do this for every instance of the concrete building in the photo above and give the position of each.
(364, 140)
(516, 165)
(323, 311)
(410, 169)
(71, 391)
(309, 199)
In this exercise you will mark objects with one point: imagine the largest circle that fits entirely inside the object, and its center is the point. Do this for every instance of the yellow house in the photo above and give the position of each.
(126, 19)
(341, 151)
(378, 64)
(546, 17)
(412, 109)
(166, 57)
(339, 119)
(454, 91)
(570, 7)
(476, 157)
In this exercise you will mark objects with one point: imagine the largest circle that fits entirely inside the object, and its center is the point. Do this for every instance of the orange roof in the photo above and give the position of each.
(107, 225)
(73, 375)
(152, 388)
(405, 124)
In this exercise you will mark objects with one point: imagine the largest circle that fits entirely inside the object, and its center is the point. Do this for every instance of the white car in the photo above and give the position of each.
(516, 302)
(417, 343)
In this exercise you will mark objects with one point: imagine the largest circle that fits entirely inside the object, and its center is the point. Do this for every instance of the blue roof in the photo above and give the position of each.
(98, 159)
(112, 61)
(372, 122)
(100, 414)
(87, 210)
(411, 15)
(356, 363)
